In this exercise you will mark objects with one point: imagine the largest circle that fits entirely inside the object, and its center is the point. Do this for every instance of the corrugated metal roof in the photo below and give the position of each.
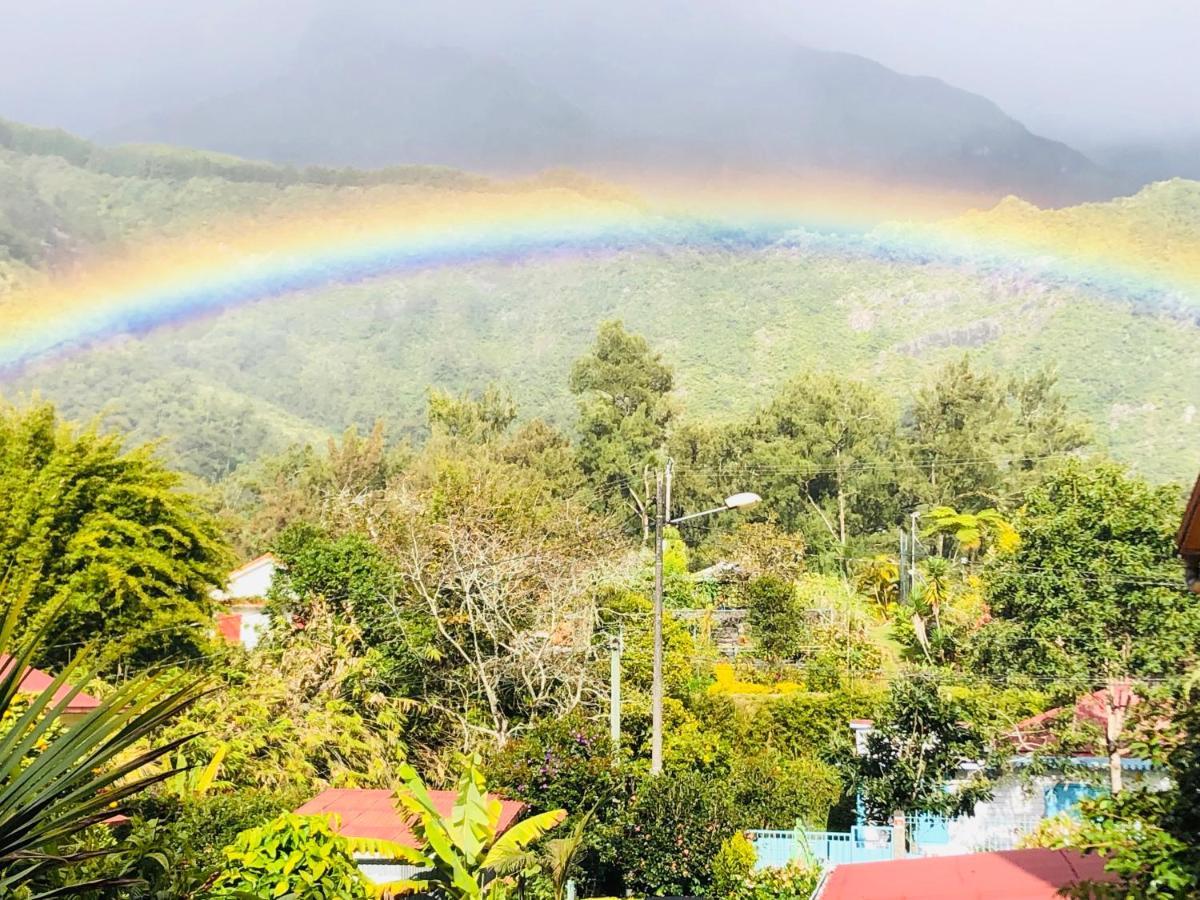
(35, 681)
(367, 813)
(1007, 875)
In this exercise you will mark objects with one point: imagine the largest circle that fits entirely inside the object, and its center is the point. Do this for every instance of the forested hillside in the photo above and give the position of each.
(735, 322)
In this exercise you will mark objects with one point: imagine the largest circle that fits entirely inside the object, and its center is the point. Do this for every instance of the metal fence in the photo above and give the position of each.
(864, 843)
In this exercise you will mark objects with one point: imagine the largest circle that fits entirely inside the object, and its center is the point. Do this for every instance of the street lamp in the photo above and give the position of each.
(661, 520)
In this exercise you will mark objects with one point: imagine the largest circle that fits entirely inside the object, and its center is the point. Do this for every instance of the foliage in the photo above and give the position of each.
(291, 856)
(623, 415)
(560, 763)
(300, 714)
(464, 855)
(1147, 838)
(107, 539)
(1089, 592)
(774, 792)
(973, 533)
(79, 776)
(795, 881)
(817, 723)
(759, 549)
(975, 437)
(915, 754)
(674, 827)
(732, 865)
(777, 617)
(192, 831)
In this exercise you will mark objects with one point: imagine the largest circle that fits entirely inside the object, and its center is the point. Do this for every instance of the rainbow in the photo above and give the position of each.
(213, 268)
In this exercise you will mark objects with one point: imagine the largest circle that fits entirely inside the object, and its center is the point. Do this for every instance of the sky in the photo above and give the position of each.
(1086, 71)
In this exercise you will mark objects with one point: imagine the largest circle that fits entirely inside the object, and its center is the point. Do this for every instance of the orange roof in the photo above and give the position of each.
(1005, 875)
(35, 681)
(372, 813)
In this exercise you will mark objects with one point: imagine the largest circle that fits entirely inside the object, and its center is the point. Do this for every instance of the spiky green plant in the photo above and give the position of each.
(54, 782)
(462, 856)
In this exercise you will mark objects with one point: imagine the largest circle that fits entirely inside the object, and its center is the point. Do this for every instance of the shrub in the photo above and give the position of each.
(673, 830)
(794, 881)
(774, 792)
(199, 828)
(560, 763)
(732, 866)
(299, 857)
(818, 724)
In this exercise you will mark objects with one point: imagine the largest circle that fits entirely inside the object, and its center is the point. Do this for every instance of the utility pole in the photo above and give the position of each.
(912, 551)
(656, 738)
(614, 688)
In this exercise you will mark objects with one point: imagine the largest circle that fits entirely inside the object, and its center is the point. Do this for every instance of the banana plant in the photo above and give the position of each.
(54, 783)
(462, 856)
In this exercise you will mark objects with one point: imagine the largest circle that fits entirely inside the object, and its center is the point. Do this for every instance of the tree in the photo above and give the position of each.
(777, 617)
(977, 440)
(914, 757)
(464, 855)
(108, 539)
(55, 783)
(824, 446)
(624, 413)
(473, 419)
(1149, 838)
(1089, 597)
(501, 583)
(292, 856)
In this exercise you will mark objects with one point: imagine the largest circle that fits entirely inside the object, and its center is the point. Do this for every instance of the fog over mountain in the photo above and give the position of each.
(976, 95)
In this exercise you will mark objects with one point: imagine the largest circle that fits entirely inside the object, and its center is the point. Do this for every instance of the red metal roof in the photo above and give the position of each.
(35, 681)
(372, 813)
(1006, 875)
(1037, 732)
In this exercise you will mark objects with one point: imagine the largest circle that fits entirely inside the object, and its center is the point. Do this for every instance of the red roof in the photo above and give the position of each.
(1006, 875)
(36, 681)
(372, 813)
(1037, 733)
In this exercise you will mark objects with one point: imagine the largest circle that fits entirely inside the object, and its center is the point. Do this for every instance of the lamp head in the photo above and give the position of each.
(742, 500)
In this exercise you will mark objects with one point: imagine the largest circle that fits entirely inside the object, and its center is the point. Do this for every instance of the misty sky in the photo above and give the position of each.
(1085, 71)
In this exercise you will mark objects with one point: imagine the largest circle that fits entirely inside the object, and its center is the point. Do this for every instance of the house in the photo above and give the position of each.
(35, 681)
(244, 606)
(1188, 540)
(1003, 875)
(371, 814)
(1020, 800)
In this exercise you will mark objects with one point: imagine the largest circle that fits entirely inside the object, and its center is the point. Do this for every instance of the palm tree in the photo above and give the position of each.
(972, 532)
(56, 782)
(464, 856)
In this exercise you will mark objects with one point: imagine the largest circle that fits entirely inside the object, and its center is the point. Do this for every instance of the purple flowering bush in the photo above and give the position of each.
(674, 827)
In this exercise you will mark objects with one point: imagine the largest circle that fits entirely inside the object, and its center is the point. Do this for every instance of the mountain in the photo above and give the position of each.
(748, 103)
(234, 384)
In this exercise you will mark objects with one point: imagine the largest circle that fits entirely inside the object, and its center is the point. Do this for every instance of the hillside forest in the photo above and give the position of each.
(448, 597)
(222, 390)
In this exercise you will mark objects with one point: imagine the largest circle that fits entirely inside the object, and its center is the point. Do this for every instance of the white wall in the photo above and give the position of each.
(252, 582)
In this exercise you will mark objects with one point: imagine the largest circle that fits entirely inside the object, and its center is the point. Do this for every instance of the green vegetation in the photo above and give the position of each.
(104, 539)
(55, 782)
(734, 324)
(457, 592)
(293, 856)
